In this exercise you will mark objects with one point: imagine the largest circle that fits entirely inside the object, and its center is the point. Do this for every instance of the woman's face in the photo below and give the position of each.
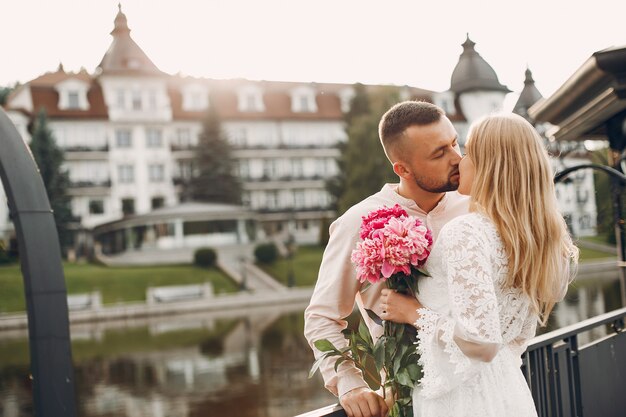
(466, 171)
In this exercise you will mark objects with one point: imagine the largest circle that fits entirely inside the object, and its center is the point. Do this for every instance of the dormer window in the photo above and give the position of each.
(73, 94)
(445, 100)
(195, 97)
(250, 99)
(303, 100)
(73, 100)
(345, 99)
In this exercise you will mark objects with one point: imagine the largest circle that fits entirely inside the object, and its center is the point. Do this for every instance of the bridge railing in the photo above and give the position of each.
(567, 379)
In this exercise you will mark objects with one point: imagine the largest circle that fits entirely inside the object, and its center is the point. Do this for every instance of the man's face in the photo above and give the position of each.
(431, 155)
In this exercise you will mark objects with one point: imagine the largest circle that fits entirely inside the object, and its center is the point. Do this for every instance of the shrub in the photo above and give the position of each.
(205, 257)
(266, 253)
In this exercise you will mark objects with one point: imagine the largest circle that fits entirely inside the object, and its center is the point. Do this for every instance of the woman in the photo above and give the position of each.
(495, 273)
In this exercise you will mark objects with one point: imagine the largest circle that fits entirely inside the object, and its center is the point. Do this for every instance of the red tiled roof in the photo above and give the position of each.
(48, 98)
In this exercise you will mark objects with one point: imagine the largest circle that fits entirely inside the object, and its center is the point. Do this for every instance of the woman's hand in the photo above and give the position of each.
(399, 308)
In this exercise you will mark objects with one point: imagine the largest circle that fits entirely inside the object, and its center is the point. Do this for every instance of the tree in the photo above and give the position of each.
(213, 179)
(4, 94)
(359, 105)
(364, 163)
(49, 158)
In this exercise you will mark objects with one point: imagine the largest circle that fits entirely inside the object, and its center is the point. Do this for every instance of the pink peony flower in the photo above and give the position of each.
(378, 218)
(392, 243)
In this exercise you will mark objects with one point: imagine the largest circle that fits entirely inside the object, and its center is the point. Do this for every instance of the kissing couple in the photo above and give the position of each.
(501, 258)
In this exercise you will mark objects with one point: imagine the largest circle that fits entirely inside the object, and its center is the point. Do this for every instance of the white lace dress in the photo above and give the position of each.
(472, 330)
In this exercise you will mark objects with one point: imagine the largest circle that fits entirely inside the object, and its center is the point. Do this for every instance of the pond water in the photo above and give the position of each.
(245, 363)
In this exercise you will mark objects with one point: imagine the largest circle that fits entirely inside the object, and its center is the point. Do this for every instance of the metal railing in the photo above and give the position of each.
(566, 379)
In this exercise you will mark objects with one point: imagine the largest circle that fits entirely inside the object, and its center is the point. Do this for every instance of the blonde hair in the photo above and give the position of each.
(513, 186)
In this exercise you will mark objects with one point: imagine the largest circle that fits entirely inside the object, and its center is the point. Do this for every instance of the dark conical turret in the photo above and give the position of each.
(529, 96)
(124, 55)
(473, 73)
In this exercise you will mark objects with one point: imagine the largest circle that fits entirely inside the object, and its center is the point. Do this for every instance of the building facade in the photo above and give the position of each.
(129, 132)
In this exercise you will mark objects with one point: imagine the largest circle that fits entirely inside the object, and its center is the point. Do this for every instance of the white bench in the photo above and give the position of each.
(85, 301)
(173, 293)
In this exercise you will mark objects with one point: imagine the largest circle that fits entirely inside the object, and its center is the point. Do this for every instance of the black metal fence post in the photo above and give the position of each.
(44, 283)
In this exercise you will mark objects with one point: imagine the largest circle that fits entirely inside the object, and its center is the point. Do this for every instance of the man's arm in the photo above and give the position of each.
(333, 300)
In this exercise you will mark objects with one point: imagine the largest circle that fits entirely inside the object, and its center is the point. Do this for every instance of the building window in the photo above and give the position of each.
(123, 138)
(269, 168)
(96, 207)
(136, 100)
(250, 99)
(304, 104)
(186, 168)
(157, 202)
(239, 137)
(183, 138)
(156, 172)
(154, 138)
(244, 168)
(297, 168)
(251, 102)
(298, 198)
(271, 198)
(72, 100)
(121, 99)
(320, 167)
(128, 206)
(152, 100)
(126, 174)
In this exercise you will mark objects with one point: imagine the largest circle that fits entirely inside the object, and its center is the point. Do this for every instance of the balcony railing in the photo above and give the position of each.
(565, 379)
(82, 148)
(90, 184)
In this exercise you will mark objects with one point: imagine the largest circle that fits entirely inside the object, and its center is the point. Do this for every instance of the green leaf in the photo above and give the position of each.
(404, 378)
(374, 317)
(324, 345)
(415, 372)
(364, 332)
(390, 348)
(379, 353)
(399, 357)
(371, 374)
(339, 362)
(399, 331)
(347, 332)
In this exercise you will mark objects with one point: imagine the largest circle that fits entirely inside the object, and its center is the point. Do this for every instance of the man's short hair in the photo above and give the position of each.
(401, 116)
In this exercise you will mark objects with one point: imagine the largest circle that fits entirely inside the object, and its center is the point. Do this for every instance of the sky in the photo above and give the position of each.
(400, 42)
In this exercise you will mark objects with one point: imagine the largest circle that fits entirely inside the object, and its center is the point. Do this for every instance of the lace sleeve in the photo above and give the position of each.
(453, 346)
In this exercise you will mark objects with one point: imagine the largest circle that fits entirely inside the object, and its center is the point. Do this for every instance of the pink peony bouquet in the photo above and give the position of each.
(393, 248)
(392, 242)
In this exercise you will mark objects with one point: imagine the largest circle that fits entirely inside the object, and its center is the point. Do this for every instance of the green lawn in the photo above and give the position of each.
(306, 264)
(119, 284)
(590, 254)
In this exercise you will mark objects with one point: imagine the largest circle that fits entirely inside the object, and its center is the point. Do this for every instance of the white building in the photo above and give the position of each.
(129, 131)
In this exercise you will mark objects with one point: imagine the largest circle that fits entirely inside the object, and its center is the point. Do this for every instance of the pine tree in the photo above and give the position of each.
(359, 105)
(213, 179)
(364, 164)
(4, 94)
(49, 158)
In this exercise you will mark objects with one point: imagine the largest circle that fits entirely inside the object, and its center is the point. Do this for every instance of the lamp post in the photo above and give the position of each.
(244, 275)
(291, 249)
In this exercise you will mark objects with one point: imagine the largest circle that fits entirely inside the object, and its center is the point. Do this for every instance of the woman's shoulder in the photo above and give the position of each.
(471, 226)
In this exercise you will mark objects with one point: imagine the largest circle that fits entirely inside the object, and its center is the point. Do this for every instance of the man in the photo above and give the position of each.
(421, 144)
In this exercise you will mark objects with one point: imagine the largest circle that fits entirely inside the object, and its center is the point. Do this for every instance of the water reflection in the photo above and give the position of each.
(236, 363)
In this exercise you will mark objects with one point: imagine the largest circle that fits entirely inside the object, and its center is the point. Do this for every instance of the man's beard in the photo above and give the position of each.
(433, 186)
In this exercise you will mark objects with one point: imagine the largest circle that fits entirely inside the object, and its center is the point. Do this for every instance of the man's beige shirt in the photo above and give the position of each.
(337, 288)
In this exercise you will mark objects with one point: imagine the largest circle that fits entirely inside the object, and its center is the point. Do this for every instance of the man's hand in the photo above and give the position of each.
(363, 402)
